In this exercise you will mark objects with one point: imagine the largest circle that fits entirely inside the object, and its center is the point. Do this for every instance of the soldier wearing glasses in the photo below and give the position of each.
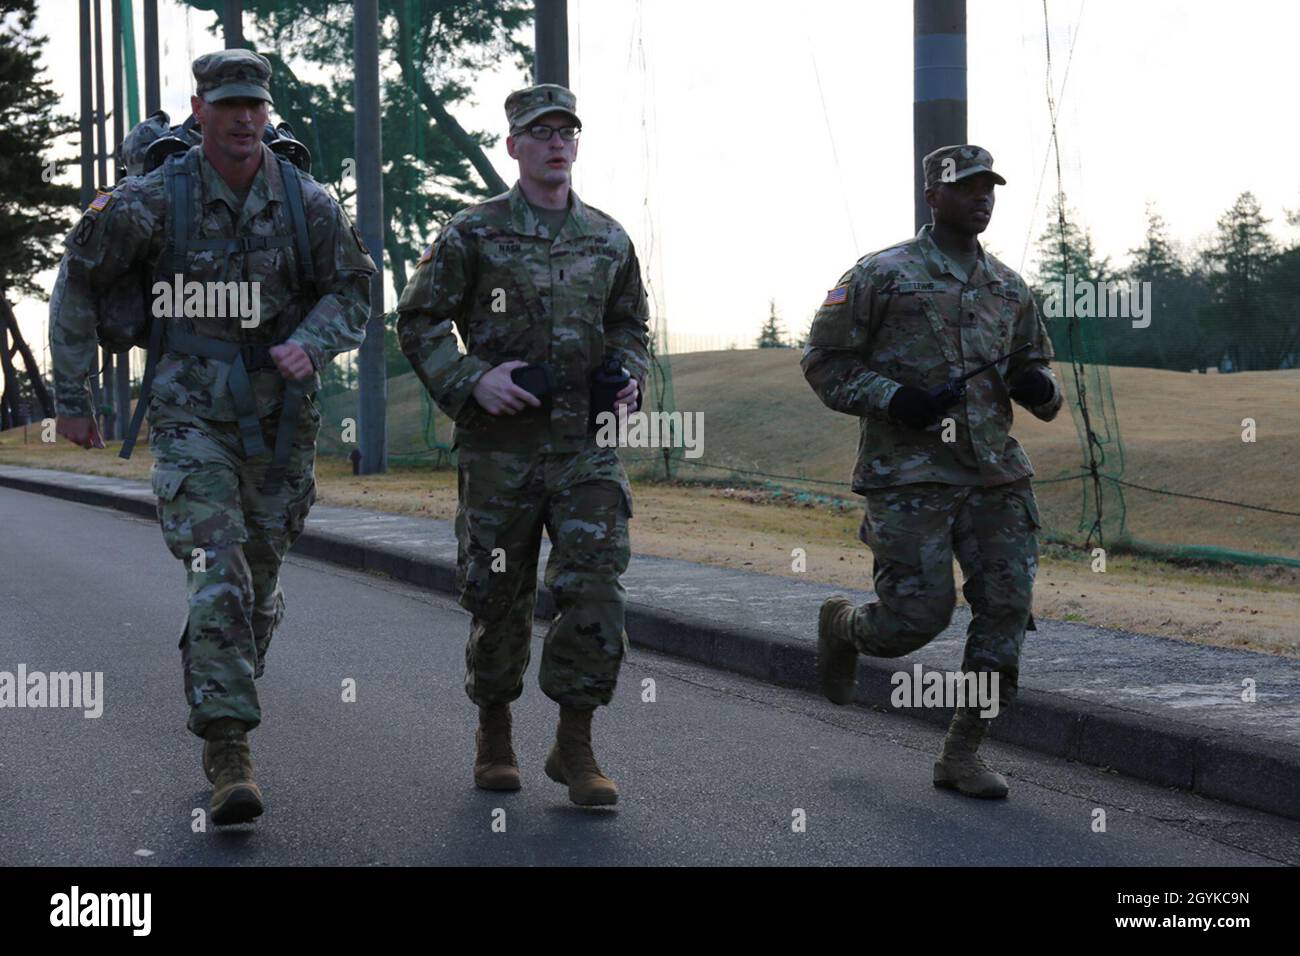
(542, 289)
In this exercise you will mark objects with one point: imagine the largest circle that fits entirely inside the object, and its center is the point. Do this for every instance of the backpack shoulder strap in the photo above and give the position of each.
(152, 353)
(298, 218)
(177, 181)
(179, 192)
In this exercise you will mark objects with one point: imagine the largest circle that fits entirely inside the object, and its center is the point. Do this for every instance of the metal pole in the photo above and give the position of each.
(372, 424)
(88, 147)
(232, 21)
(152, 94)
(122, 364)
(101, 119)
(106, 363)
(551, 41)
(118, 118)
(938, 84)
(132, 71)
(87, 111)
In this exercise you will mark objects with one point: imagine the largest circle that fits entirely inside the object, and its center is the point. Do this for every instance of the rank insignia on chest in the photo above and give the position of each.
(918, 287)
(101, 201)
(837, 295)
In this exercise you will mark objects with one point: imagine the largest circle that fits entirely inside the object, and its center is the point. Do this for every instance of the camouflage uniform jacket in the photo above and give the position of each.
(512, 292)
(903, 316)
(128, 232)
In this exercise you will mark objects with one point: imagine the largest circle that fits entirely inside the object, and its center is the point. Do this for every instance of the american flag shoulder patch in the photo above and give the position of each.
(428, 254)
(837, 295)
(101, 201)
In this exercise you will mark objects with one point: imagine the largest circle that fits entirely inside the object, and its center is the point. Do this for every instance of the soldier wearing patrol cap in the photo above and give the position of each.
(543, 290)
(940, 476)
(230, 397)
(131, 152)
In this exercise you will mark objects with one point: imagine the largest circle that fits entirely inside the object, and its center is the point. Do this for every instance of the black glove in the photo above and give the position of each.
(1032, 388)
(914, 408)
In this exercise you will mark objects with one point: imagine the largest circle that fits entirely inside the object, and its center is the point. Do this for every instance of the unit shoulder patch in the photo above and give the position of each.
(85, 229)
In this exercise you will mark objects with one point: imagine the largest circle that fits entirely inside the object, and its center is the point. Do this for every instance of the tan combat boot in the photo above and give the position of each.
(229, 765)
(495, 767)
(208, 770)
(572, 762)
(837, 658)
(959, 767)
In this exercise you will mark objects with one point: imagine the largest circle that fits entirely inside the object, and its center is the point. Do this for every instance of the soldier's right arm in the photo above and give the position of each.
(100, 250)
(834, 361)
(438, 295)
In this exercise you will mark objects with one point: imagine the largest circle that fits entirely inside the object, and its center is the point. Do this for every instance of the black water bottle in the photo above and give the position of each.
(606, 382)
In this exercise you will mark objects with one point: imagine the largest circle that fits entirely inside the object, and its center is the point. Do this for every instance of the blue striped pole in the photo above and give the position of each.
(938, 84)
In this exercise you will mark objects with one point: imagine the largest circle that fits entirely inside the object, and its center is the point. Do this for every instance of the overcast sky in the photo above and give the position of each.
(754, 150)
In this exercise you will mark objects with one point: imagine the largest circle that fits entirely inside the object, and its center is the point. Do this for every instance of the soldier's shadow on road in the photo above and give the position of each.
(571, 812)
(236, 837)
(526, 833)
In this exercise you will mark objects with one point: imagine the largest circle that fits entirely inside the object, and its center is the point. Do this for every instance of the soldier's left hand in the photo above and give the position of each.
(629, 396)
(292, 360)
(1031, 388)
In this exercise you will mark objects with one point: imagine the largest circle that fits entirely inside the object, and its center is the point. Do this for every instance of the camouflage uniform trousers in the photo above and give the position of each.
(584, 502)
(209, 497)
(913, 531)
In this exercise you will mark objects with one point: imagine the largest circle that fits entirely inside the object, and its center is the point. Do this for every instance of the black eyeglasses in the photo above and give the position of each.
(542, 133)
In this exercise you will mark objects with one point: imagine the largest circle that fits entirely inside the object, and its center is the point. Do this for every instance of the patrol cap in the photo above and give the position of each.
(227, 74)
(963, 161)
(524, 106)
(131, 153)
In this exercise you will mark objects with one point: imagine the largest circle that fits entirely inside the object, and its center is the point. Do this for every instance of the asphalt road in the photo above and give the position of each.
(711, 772)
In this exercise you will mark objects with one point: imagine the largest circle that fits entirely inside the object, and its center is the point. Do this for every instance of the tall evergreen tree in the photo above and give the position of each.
(35, 212)
(1177, 338)
(772, 336)
(1240, 257)
(1065, 252)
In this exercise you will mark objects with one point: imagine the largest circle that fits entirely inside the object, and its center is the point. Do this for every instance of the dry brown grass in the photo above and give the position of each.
(1252, 608)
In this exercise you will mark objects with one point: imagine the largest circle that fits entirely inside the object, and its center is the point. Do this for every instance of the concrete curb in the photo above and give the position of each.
(1217, 764)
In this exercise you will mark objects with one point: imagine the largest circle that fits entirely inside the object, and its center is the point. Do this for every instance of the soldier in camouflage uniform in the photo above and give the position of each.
(221, 385)
(131, 153)
(937, 480)
(534, 276)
